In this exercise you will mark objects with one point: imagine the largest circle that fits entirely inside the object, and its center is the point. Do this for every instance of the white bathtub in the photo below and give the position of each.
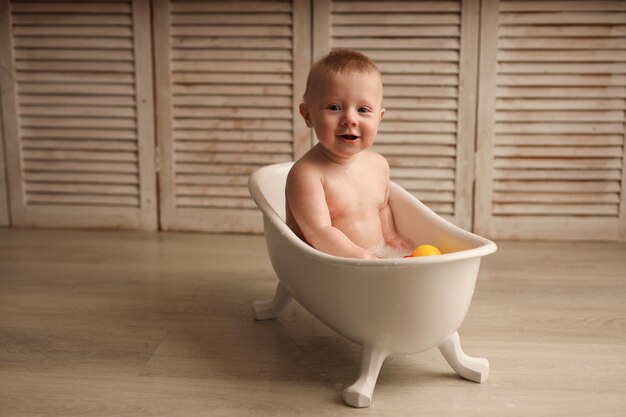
(386, 305)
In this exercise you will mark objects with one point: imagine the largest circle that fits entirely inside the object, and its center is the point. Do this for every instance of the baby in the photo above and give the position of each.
(337, 194)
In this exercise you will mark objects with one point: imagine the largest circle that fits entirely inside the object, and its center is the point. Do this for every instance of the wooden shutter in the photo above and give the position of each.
(551, 120)
(78, 107)
(229, 79)
(4, 197)
(427, 52)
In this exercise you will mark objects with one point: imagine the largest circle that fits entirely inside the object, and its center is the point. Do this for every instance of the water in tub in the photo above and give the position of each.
(385, 251)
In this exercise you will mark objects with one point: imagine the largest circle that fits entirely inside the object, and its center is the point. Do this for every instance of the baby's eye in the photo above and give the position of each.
(363, 110)
(334, 107)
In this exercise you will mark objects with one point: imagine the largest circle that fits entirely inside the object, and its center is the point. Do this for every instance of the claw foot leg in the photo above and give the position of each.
(360, 393)
(265, 310)
(474, 369)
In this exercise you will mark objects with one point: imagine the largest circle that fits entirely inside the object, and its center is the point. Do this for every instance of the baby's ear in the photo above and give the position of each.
(382, 114)
(306, 115)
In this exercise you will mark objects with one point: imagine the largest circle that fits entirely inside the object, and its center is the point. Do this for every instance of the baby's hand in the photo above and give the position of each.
(400, 242)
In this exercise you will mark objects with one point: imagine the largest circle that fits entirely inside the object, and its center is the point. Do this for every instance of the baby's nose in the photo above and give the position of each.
(349, 118)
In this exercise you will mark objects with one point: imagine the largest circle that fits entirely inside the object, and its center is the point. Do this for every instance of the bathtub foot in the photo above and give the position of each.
(474, 369)
(360, 393)
(265, 310)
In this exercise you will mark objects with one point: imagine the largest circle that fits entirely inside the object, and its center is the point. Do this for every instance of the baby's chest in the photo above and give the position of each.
(354, 198)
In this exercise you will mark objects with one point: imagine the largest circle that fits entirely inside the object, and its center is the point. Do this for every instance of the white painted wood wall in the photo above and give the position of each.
(507, 117)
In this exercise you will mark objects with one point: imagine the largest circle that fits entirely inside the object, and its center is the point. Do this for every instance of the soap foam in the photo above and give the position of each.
(385, 251)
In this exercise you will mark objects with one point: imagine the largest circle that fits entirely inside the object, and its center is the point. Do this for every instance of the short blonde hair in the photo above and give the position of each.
(340, 61)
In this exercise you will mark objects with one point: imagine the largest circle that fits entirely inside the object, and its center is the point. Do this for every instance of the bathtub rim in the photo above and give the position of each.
(486, 246)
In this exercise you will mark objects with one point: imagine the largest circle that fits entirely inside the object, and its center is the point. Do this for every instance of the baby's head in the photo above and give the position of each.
(340, 62)
(343, 103)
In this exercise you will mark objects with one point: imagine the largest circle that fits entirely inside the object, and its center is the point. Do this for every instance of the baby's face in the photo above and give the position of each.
(345, 111)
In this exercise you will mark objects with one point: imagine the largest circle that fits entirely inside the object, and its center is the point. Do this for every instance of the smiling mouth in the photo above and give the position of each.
(349, 137)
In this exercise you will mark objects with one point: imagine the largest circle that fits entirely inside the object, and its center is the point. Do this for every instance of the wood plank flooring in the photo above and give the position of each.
(158, 324)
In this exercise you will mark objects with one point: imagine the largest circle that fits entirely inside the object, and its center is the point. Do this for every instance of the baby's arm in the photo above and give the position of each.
(390, 233)
(307, 203)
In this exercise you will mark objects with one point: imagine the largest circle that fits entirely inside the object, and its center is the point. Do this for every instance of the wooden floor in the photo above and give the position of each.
(138, 324)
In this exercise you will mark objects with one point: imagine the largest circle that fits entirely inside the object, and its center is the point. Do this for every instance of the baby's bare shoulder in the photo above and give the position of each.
(304, 166)
(377, 161)
(304, 171)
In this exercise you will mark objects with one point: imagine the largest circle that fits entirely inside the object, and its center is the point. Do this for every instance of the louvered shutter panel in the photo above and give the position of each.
(427, 52)
(551, 120)
(77, 101)
(4, 197)
(229, 80)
